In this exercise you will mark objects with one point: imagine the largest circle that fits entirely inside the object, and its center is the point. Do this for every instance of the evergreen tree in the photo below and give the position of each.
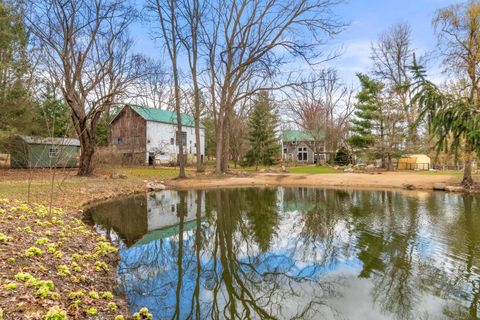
(16, 106)
(53, 115)
(367, 126)
(342, 157)
(263, 144)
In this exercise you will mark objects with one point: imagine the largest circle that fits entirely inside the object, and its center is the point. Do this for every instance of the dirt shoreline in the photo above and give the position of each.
(345, 181)
(388, 180)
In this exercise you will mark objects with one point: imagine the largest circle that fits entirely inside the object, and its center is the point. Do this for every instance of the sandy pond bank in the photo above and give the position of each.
(387, 180)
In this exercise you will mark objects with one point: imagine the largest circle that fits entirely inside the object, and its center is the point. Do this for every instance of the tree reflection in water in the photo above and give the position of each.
(300, 253)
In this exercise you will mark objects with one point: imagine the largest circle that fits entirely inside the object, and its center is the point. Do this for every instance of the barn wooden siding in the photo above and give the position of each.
(129, 134)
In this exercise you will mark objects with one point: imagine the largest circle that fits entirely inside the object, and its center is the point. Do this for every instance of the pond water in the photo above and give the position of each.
(297, 253)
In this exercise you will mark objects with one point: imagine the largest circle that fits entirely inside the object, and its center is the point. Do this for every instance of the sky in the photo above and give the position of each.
(367, 20)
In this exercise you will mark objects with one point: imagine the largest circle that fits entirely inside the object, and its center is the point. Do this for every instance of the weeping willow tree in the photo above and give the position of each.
(453, 120)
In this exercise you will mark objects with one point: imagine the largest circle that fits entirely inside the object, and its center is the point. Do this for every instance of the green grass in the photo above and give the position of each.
(312, 170)
(150, 172)
(443, 173)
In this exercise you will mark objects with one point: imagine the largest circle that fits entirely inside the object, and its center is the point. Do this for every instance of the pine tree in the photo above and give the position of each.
(263, 144)
(366, 127)
(16, 106)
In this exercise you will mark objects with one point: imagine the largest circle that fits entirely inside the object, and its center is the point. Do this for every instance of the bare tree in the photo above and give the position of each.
(86, 53)
(191, 12)
(321, 105)
(250, 41)
(166, 12)
(151, 89)
(391, 56)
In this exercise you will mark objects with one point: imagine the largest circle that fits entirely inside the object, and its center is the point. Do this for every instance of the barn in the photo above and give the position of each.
(149, 135)
(42, 152)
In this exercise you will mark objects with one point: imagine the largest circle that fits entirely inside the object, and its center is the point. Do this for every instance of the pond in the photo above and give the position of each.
(297, 253)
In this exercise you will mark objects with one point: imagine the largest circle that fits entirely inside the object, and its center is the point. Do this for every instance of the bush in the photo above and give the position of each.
(55, 313)
(341, 157)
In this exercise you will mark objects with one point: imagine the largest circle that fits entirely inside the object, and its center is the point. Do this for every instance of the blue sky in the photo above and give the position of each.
(368, 18)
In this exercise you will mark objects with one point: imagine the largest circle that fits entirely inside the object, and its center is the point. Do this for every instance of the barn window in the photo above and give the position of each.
(183, 137)
(52, 152)
(119, 140)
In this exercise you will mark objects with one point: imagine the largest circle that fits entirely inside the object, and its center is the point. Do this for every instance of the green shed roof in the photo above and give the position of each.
(297, 135)
(164, 116)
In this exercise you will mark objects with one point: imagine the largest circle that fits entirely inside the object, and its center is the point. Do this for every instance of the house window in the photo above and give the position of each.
(183, 137)
(302, 154)
(172, 141)
(52, 152)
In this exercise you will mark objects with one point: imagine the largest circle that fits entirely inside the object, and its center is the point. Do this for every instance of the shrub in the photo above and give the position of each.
(93, 295)
(55, 313)
(63, 271)
(4, 238)
(10, 286)
(143, 314)
(33, 251)
(107, 295)
(92, 311)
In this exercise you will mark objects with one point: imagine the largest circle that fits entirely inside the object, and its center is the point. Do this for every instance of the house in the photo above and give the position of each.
(42, 152)
(300, 147)
(147, 135)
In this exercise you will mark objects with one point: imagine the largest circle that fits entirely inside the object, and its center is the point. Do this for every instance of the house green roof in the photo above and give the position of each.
(164, 116)
(297, 135)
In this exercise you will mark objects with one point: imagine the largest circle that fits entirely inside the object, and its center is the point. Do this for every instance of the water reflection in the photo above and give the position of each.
(297, 253)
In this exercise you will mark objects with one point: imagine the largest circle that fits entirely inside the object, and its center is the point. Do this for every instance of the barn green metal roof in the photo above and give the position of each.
(297, 135)
(164, 116)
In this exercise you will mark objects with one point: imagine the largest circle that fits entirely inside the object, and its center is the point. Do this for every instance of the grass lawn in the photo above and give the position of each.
(453, 173)
(147, 172)
(312, 170)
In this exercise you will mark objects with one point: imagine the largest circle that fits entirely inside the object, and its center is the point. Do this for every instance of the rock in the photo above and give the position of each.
(284, 169)
(408, 186)
(360, 167)
(349, 170)
(370, 168)
(262, 170)
(122, 176)
(155, 187)
(115, 176)
(454, 189)
(439, 186)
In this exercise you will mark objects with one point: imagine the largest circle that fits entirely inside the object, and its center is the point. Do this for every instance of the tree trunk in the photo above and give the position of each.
(87, 147)
(226, 142)
(468, 181)
(198, 148)
(218, 151)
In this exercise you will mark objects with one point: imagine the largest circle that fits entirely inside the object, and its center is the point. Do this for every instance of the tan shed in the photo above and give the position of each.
(414, 162)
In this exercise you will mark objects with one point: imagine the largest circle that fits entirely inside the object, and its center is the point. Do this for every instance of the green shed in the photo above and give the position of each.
(40, 152)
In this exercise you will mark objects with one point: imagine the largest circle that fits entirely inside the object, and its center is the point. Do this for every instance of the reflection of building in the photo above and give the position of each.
(142, 219)
(148, 135)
